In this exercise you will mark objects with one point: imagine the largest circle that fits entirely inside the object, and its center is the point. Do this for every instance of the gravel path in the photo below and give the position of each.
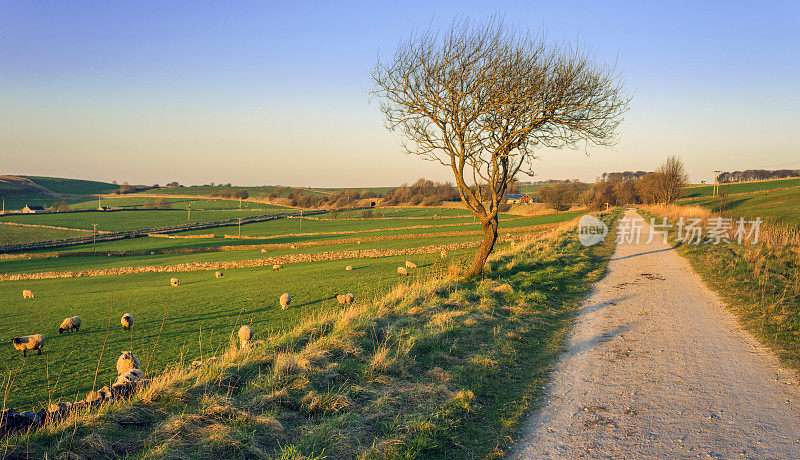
(657, 368)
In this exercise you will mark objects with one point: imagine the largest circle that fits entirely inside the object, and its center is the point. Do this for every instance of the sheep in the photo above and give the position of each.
(349, 268)
(27, 294)
(126, 361)
(245, 336)
(263, 251)
(341, 298)
(443, 254)
(286, 299)
(402, 271)
(349, 297)
(29, 342)
(126, 321)
(294, 246)
(174, 282)
(277, 267)
(410, 265)
(218, 274)
(69, 324)
(128, 377)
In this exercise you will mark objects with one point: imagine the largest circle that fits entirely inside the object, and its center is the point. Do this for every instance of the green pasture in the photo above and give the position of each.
(745, 187)
(172, 324)
(776, 205)
(132, 220)
(14, 234)
(205, 190)
(137, 201)
(73, 186)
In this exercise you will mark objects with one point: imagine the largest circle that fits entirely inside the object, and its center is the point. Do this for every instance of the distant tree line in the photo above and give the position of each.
(665, 185)
(229, 193)
(422, 192)
(757, 174)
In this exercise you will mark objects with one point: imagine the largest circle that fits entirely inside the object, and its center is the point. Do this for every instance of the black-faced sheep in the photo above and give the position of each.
(27, 294)
(126, 321)
(286, 299)
(127, 361)
(29, 342)
(174, 282)
(277, 267)
(245, 336)
(69, 324)
(218, 274)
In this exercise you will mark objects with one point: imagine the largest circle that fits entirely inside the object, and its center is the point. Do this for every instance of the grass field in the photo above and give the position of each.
(73, 186)
(437, 369)
(201, 302)
(14, 234)
(772, 205)
(137, 201)
(744, 187)
(114, 221)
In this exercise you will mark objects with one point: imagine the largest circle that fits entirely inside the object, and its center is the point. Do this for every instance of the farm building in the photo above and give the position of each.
(33, 210)
(517, 198)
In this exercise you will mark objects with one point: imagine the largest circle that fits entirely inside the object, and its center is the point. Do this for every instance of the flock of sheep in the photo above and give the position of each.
(130, 375)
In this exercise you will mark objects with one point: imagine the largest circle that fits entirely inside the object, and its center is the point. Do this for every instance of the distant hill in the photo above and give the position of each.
(18, 191)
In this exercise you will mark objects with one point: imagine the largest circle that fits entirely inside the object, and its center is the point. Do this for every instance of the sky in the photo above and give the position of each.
(258, 93)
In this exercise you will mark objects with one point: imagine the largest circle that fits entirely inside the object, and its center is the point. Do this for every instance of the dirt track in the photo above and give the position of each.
(657, 368)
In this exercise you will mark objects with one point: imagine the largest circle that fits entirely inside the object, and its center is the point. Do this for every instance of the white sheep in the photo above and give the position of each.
(263, 251)
(29, 342)
(286, 299)
(218, 274)
(402, 271)
(128, 377)
(126, 361)
(341, 298)
(245, 336)
(410, 265)
(294, 246)
(69, 324)
(277, 267)
(174, 282)
(126, 321)
(349, 297)
(349, 268)
(27, 294)
(443, 254)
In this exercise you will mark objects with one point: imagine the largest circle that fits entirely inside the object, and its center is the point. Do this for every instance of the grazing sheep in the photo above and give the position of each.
(277, 267)
(345, 298)
(218, 274)
(349, 268)
(29, 342)
(286, 299)
(127, 361)
(410, 265)
(263, 251)
(128, 377)
(443, 254)
(26, 294)
(126, 321)
(69, 324)
(245, 336)
(402, 271)
(294, 246)
(174, 282)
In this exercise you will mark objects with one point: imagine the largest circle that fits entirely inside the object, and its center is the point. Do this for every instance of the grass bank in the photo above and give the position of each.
(760, 282)
(438, 368)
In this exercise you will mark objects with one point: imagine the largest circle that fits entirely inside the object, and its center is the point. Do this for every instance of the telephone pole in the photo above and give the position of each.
(240, 228)
(94, 238)
(716, 184)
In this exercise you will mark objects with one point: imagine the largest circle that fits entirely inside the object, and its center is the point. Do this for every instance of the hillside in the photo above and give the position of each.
(18, 191)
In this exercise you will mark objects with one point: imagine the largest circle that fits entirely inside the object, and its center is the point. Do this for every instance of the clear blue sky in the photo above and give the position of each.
(276, 93)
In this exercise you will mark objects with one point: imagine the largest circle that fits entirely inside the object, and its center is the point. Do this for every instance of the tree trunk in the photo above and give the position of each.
(489, 238)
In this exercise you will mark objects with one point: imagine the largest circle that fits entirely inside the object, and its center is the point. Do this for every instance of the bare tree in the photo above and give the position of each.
(673, 180)
(479, 98)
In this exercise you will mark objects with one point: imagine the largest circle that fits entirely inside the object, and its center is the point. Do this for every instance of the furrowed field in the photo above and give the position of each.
(175, 325)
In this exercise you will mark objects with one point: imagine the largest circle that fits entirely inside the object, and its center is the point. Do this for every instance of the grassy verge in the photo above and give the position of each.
(435, 369)
(760, 282)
